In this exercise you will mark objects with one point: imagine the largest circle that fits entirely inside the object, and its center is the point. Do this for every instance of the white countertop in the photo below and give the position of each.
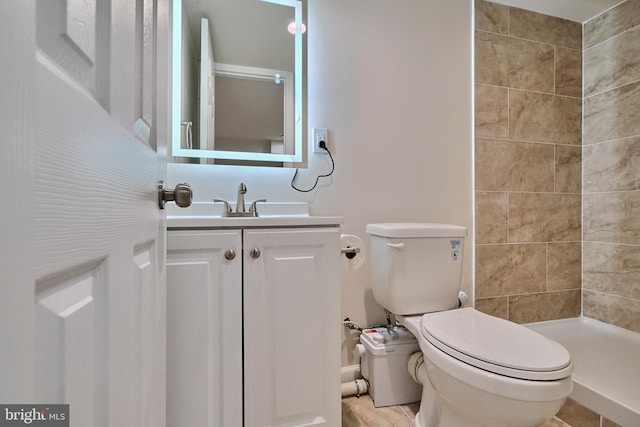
(209, 215)
(266, 221)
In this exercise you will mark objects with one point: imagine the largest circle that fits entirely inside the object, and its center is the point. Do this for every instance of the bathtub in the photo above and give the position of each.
(606, 377)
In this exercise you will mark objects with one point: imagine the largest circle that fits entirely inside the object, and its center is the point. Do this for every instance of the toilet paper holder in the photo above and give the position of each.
(350, 252)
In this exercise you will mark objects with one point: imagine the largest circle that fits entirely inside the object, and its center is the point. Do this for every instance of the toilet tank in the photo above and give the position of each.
(416, 267)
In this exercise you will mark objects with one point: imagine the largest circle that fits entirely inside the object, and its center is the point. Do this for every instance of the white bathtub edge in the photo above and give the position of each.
(595, 400)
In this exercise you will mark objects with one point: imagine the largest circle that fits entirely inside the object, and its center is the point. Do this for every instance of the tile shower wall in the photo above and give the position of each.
(528, 112)
(611, 162)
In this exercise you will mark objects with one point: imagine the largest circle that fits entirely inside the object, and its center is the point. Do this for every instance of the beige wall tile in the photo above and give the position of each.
(514, 166)
(544, 217)
(543, 28)
(577, 415)
(528, 98)
(491, 217)
(612, 63)
(492, 17)
(545, 118)
(494, 306)
(491, 111)
(564, 266)
(509, 269)
(612, 22)
(612, 269)
(611, 160)
(612, 115)
(568, 72)
(612, 217)
(506, 61)
(612, 309)
(544, 306)
(612, 166)
(568, 169)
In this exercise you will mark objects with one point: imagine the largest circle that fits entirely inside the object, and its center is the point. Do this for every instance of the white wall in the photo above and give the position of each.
(392, 82)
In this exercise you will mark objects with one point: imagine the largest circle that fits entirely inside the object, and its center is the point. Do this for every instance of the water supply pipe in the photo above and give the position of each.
(357, 387)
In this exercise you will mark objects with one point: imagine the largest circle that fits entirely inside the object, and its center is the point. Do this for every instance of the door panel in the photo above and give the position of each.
(204, 328)
(70, 325)
(93, 303)
(291, 297)
(67, 33)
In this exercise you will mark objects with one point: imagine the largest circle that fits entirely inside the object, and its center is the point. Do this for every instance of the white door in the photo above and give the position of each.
(204, 328)
(83, 110)
(291, 327)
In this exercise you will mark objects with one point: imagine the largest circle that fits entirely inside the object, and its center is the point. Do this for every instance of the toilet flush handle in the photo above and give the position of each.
(398, 246)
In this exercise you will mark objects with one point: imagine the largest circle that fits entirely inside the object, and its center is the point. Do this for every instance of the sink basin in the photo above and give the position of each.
(268, 209)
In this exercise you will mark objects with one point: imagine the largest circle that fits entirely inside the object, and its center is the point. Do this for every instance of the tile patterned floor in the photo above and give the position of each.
(360, 412)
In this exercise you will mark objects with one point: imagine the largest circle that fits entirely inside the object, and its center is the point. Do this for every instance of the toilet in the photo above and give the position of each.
(476, 370)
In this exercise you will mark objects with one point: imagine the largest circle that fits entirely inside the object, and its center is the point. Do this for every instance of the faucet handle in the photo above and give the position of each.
(227, 206)
(254, 207)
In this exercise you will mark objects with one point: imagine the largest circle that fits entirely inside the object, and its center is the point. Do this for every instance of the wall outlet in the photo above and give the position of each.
(320, 134)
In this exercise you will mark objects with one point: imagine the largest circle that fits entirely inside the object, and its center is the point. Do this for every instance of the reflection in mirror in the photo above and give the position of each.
(238, 82)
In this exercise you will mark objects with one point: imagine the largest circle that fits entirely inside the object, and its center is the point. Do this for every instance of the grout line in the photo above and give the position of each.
(410, 416)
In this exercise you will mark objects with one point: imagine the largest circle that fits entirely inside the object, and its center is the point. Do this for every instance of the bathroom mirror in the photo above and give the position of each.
(238, 81)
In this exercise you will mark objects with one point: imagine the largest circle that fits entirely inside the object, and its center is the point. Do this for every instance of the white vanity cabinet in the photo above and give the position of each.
(253, 340)
(204, 328)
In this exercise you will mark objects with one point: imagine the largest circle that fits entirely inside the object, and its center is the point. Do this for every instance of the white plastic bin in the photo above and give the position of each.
(384, 365)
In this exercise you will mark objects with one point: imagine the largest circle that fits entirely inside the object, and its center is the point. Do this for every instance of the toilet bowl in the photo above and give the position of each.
(476, 370)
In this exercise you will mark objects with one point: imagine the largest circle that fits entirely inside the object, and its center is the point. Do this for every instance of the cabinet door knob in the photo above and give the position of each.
(230, 254)
(254, 253)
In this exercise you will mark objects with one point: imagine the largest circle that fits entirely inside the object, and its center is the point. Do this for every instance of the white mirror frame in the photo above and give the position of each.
(292, 121)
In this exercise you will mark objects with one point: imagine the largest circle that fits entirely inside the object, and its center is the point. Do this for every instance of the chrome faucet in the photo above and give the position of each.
(240, 208)
(242, 190)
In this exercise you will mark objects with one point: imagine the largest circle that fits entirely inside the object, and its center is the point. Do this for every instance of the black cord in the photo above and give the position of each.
(322, 145)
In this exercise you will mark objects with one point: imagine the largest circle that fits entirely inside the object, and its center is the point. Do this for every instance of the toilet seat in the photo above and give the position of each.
(496, 345)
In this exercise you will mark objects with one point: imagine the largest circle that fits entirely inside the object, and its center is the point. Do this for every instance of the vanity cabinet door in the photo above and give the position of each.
(204, 328)
(291, 327)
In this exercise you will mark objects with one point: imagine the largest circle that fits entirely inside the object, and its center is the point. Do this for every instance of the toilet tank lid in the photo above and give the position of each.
(415, 229)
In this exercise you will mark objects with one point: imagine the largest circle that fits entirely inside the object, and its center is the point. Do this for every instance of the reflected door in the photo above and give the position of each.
(207, 104)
